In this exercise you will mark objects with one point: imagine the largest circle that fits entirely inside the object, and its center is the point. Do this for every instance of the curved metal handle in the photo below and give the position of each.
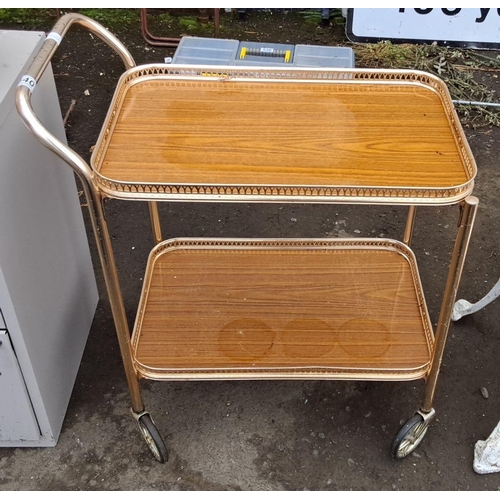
(84, 172)
(35, 71)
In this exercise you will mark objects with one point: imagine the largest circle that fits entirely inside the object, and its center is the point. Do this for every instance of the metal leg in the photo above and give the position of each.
(463, 307)
(410, 223)
(466, 222)
(155, 221)
(105, 249)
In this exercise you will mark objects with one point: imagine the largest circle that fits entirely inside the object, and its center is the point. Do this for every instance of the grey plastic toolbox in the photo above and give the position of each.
(198, 50)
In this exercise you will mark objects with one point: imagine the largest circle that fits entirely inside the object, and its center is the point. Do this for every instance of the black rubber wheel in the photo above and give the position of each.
(409, 437)
(153, 438)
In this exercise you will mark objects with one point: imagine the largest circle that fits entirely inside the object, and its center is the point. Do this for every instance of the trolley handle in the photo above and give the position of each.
(28, 83)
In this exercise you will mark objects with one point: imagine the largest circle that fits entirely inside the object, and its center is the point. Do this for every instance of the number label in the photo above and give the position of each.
(28, 81)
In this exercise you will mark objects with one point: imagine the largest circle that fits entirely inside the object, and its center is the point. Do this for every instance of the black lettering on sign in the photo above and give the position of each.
(423, 11)
(401, 11)
(451, 12)
(484, 13)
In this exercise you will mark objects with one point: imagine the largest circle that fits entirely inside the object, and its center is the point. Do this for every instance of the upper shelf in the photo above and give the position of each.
(260, 134)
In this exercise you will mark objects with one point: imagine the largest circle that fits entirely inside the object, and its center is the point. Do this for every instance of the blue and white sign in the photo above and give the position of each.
(474, 28)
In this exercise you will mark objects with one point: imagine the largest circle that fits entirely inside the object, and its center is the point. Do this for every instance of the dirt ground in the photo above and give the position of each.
(270, 435)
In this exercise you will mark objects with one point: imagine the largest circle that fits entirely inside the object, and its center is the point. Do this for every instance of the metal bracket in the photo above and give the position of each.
(428, 416)
(137, 416)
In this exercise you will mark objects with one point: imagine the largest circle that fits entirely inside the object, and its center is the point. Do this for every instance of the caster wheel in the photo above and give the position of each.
(153, 438)
(409, 437)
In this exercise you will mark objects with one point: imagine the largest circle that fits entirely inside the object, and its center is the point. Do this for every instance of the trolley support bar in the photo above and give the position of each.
(467, 217)
(410, 223)
(85, 174)
(155, 221)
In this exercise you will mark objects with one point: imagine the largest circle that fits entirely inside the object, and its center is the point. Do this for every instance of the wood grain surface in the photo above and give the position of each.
(260, 133)
(251, 308)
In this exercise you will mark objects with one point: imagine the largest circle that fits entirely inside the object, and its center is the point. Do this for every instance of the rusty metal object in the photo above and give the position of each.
(217, 22)
(156, 41)
(160, 41)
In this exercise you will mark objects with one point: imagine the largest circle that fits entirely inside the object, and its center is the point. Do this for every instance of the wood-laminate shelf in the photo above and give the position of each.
(357, 136)
(244, 308)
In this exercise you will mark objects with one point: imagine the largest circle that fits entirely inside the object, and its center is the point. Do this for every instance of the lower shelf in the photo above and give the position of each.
(282, 309)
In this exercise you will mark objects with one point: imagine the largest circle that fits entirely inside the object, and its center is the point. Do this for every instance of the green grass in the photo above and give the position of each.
(188, 23)
(27, 17)
(165, 18)
(110, 18)
(313, 16)
(113, 18)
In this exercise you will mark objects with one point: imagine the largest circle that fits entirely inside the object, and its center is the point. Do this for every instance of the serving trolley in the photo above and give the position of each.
(326, 308)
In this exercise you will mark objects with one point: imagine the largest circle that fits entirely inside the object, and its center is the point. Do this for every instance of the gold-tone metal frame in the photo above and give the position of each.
(96, 189)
